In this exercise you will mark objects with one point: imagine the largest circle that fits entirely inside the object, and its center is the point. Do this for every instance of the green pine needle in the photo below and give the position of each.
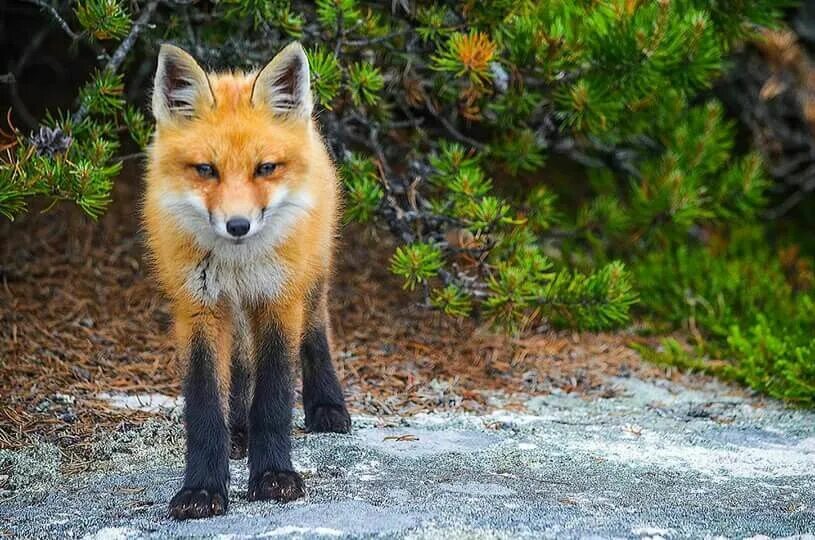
(103, 19)
(416, 263)
(362, 186)
(326, 75)
(452, 301)
(365, 83)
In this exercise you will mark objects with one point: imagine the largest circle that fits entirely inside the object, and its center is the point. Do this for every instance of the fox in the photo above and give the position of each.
(240, 214)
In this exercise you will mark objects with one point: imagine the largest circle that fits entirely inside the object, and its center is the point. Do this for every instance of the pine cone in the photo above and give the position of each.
(50, 141)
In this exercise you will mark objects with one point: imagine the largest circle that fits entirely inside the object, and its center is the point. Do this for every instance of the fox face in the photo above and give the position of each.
(231, 155)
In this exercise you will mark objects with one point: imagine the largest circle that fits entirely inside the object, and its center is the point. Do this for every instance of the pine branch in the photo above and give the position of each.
(122, 50)
(57, 18)
(451, 129)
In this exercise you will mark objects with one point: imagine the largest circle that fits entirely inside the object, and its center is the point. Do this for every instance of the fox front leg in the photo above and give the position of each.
(239, 395)
(206, 476)
(322, 394)
(323, 401)
(271, 474)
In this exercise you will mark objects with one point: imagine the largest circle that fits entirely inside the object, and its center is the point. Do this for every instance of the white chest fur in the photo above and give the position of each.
(221, 275)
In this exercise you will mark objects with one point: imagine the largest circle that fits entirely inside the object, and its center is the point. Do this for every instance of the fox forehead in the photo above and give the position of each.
(234, 133)
(235, 145)
(232, 90)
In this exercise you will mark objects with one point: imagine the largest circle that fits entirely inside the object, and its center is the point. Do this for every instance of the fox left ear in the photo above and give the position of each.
(284, 85)
(181, 86)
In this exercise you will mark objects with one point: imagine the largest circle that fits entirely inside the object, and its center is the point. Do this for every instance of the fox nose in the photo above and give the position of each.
(237, 226)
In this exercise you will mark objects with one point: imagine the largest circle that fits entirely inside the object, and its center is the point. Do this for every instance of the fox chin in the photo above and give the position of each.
(240, 213)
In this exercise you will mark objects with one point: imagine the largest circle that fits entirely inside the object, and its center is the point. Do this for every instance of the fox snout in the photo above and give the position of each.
(237, 207)
(237, 225)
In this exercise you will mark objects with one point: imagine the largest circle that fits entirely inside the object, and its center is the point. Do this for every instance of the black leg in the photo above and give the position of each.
(239, 391)
(322, 394)
(271, 475)
(206, 478)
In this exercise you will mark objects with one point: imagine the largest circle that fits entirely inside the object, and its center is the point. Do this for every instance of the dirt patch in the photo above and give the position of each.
(79, 316)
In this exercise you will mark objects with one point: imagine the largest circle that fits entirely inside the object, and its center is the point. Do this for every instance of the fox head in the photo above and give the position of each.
(231, 152)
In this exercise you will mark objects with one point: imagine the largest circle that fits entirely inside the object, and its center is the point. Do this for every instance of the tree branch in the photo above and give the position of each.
(57, 18)
(124, 48)
(451, 129)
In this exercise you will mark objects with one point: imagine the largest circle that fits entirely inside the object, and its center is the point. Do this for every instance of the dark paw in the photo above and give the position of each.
(197, 504)
(239, 444)
(328, 419)
(281, 486)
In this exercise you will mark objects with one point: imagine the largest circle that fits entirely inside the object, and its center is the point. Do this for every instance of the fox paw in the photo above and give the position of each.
(280, 486)
(329, 419)
(238, 445)
(197, 504)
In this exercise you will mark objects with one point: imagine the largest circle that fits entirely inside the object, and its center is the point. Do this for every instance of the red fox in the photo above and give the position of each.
(241, 212)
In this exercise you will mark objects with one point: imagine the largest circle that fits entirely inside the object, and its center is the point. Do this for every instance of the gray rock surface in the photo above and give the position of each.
(658, 461)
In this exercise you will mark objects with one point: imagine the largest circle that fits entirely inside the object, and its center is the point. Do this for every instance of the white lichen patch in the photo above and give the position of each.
(669, 451)
(33, 469)
(421, 442)
(113, 533)
(649, 532)
(143, 402)
(462, 533)
(478, 489)
(793, 537)
(300, 532)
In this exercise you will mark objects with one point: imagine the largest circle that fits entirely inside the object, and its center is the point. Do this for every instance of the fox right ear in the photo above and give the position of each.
(181, 86)
(284, 85)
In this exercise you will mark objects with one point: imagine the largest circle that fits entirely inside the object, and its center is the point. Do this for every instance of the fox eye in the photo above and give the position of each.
(205, 170)
(265, 169)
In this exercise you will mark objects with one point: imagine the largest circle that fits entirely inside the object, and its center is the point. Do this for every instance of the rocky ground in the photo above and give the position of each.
(657, 460)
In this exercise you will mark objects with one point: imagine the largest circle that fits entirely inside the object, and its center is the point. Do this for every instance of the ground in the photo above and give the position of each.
(457, 430)
(657, 460)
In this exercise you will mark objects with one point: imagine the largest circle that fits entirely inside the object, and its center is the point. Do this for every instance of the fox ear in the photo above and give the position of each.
(181, 86)
(283, 84)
